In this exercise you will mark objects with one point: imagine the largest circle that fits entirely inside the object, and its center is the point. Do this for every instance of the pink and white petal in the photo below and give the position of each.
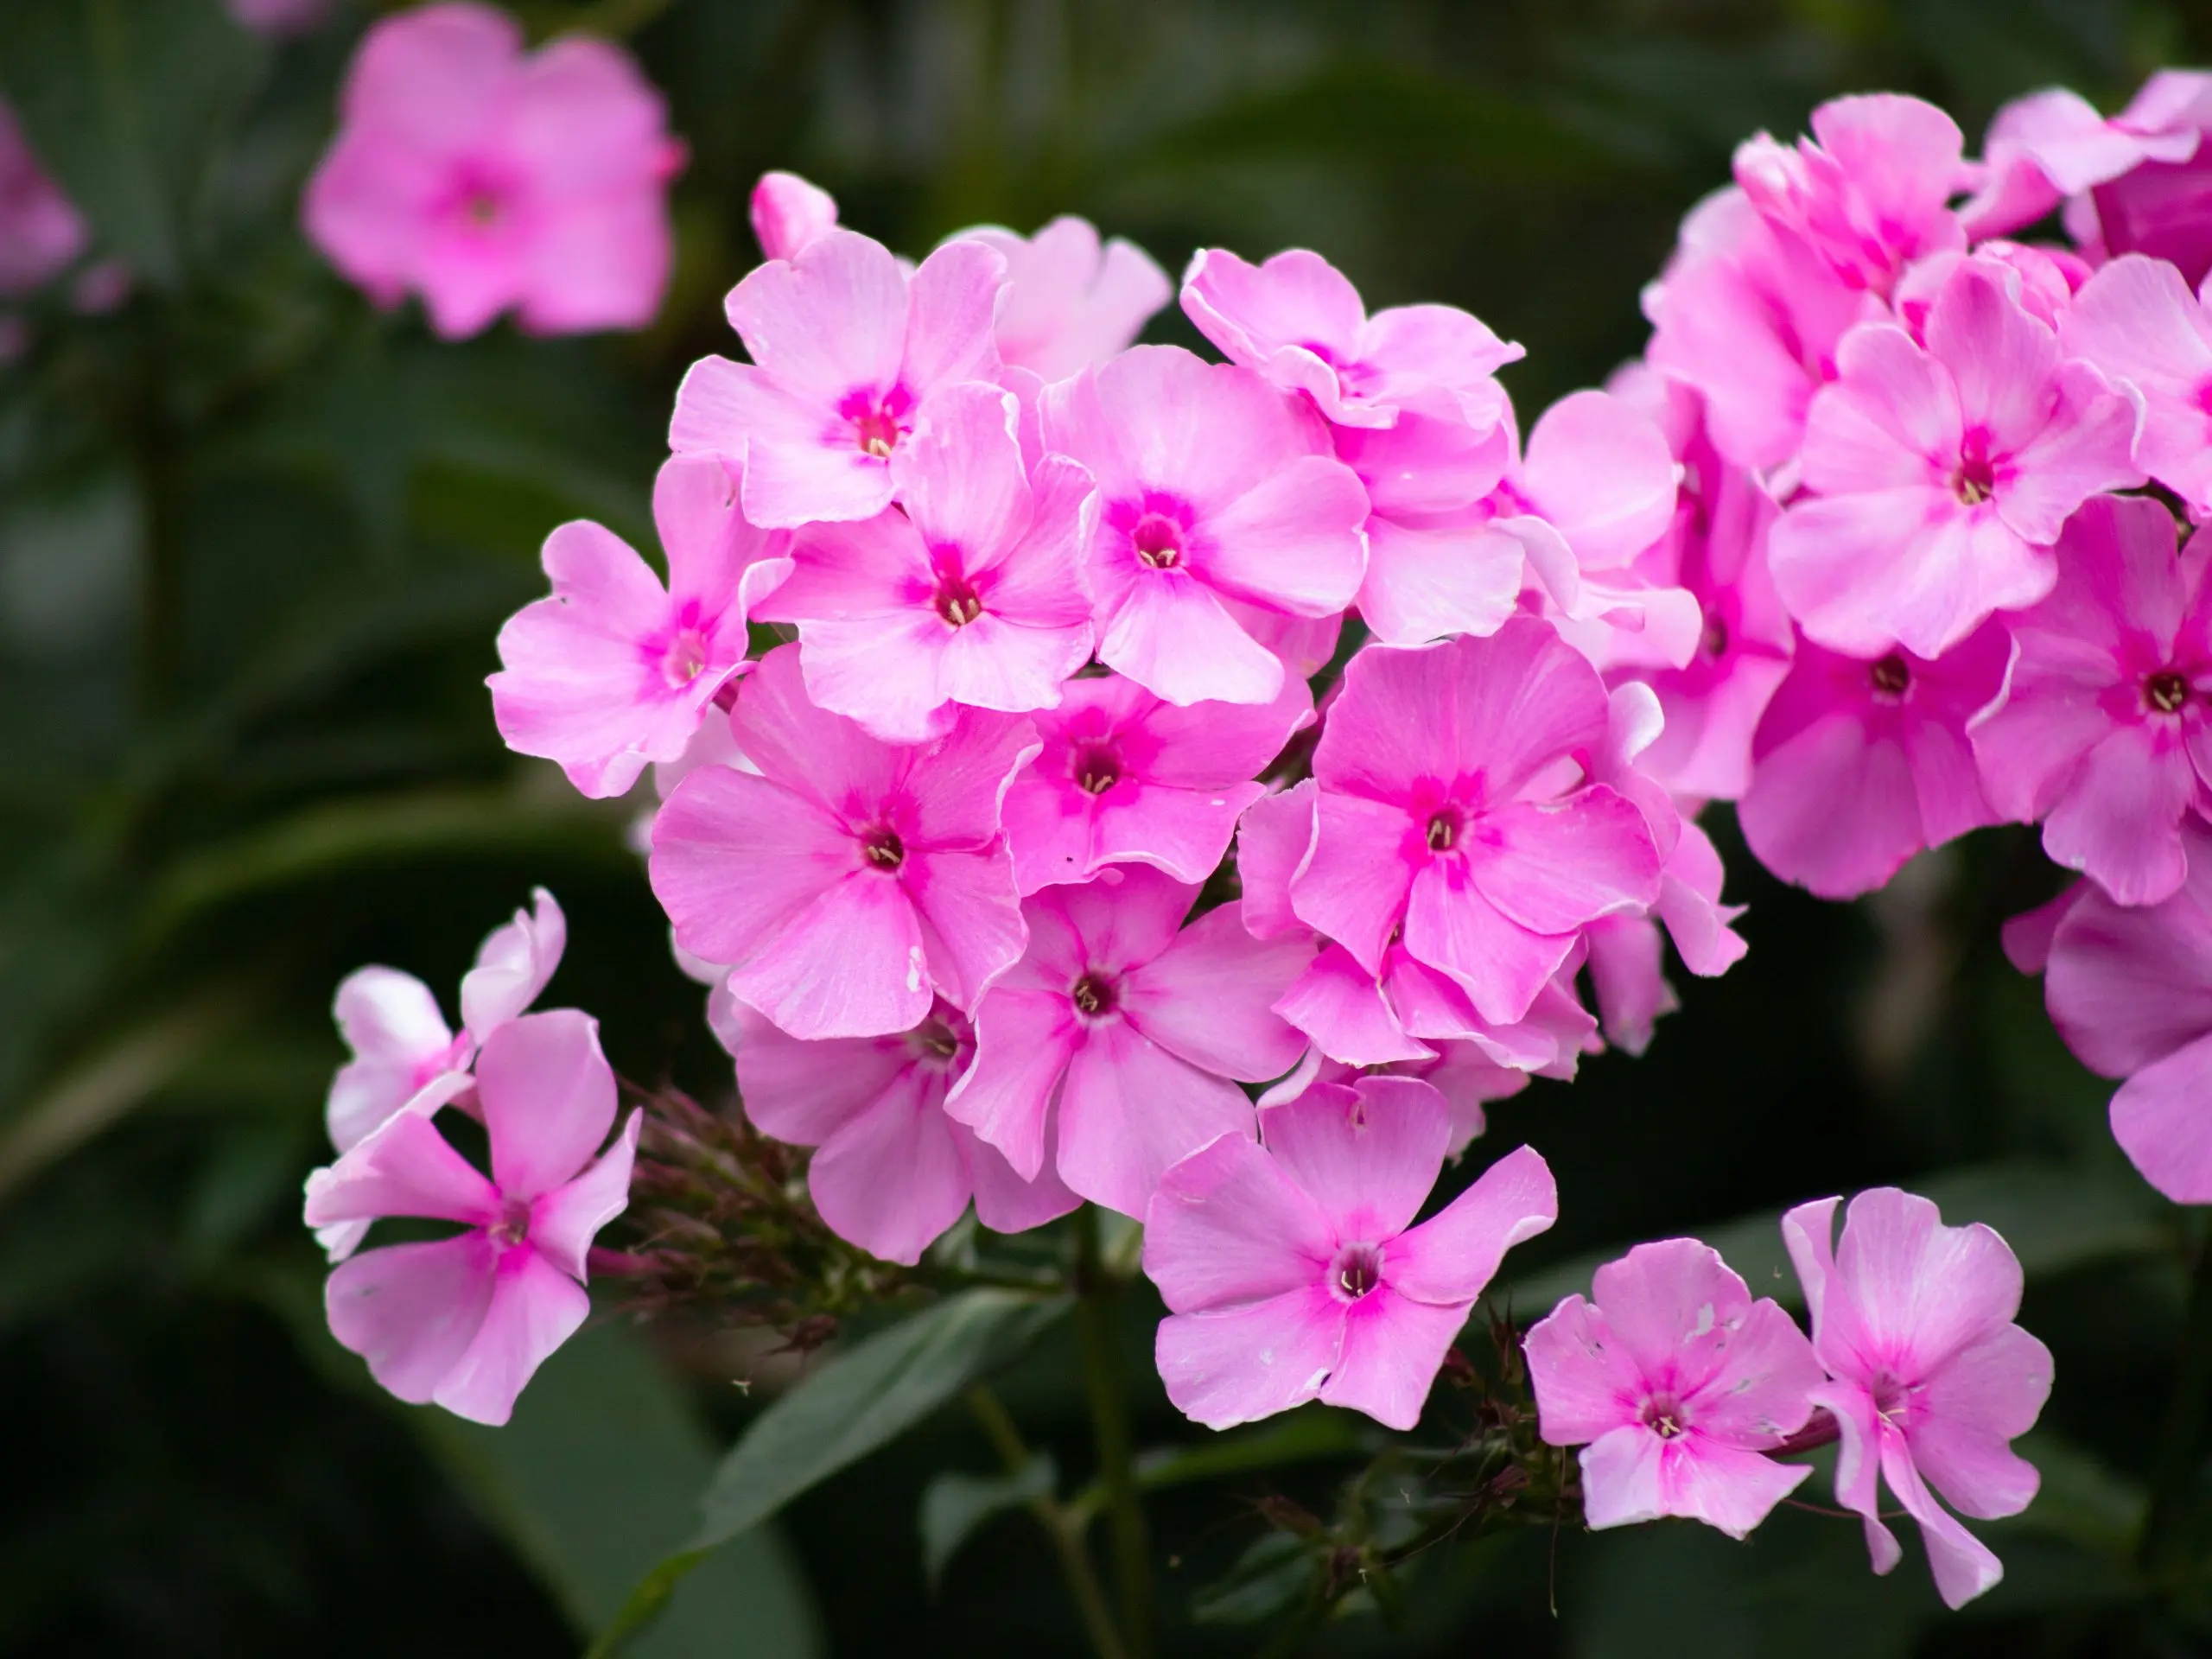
(1241, 1364)
(1993, 1391)
(1452, 1256)
(1172, 635)
(1208, 997)
(1228, 1225)
(1964, 1566)
(547, 1097)
(1621, 1484)
(1451, 927)
(1367, 1154)
(391, 1023)
(970, 920)
(563, 1222)
(406, 1168)
(1293, 541)
(788, 213)
(1356, 878)
(535, 1308)
(954, 293)
(2161, 1117)
(1023, 1041)
(1392, 1350)
(831, 319)
(513, 965)
(1723, 1485)
(1129, 1109)
(2119, 820)
(1858, 571)
(1296, 298)
(412, 1310)
(959, 473)
(1808, 1234)
(1274, 836)
(894, 1176)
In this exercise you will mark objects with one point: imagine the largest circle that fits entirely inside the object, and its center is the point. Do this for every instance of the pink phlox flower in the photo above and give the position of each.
(466, 1321)
(890, 1170)
(969, 591)
(1115, 1045)
(1071, 303)
(2100, 731)
(1859, 765)
(1291, 1268)
(1462, 1073)
(41, 232)
(1675, 1384)
(846, 346)
(1126, 778)
(2027, 936)
(846, 882)
(615, 671)
(2052, 144)
(2044, 280)
(789, 214)
(1870, 191)
(2161, 205)
(2137, 321)
(1455, 810)
(1944, 473)
(1217, 489)
(2130, 990)
(1299, 321)
(1930, 1379)
(1750, 316)
(483, 179)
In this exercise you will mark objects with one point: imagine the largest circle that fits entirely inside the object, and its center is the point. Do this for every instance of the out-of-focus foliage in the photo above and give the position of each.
(255, 541)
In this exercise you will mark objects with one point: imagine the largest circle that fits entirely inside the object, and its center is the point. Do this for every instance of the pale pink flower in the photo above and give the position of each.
(1115, 1045)
(968, 592)
(615, 671)
(1453, 803)
(41, 232)
(1125, 778)
(1216, 488)
(847, 882)
(2100, 731)
(2051, 145)
(789, 215)
(890, 1170)
(845, 347)
(2044, 280)
(484, 179)
(1299, 321)
(2131, 991)
(1070, 304)
(2162, 205)
(1931, 1379)
(1292, 1270)
(2137, 321)
(1462, 1073)
(1675, 1384)
(1944, 473)
(465, 1321)
(1750, 316)
(1859, 765)
(1870, 191)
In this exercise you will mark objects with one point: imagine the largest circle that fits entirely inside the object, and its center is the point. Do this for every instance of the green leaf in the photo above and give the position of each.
(953, 1505)
(591, 1481)
(1275, 1572)
(126, 101)
(860, 1400)
(2055, 1217)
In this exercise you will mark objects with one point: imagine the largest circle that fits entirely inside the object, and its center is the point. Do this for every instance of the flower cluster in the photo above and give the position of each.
(1679, 1387)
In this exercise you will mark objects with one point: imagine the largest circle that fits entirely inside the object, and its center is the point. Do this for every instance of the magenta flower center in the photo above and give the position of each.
(876, 433)
(1094, 995)
(1892, 1398)
(1889, 677)
(685, 656)
(882, 848)
(1974, 481)
(1714, 642)
(957, 601)
(2165, 691)
(1664, 1416)
(1098, 768)
(513, 1224)
(1356, 1270)
(1444, 826)
(1158, 542)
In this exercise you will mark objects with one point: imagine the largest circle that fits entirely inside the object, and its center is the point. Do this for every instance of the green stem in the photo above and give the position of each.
(1109, 1423)
(2167, 1532)
(1059, 1523)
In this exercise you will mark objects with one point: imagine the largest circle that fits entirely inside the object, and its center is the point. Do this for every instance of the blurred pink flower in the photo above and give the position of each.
(280, 16)
(1069, 304)
(1115, 1045)
(614, 672)
(1913, 1321)
(845, 347)
(847, 882)
(484, 179)
(1291, 1269)
(790, 215)
(891, 1170)
(42, 233)
(1675, 1384)
(968, 592)
(2137, 321)
(466, 1321)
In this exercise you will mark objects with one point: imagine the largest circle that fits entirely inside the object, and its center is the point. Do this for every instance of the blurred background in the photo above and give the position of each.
(256, 539)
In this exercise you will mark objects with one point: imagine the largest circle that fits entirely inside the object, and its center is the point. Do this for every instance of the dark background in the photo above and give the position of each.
(255, 541)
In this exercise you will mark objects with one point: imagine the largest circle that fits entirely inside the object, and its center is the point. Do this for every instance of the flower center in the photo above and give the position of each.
(480, 209)
(1715, 641)
(934, 1037)
(957, 601)
(1973, 482)
(1443, 829)
(513, 1224)
(876, 433)
(1098, 769)
(1889, 677)
(1663, 1415)
(1158, 542)
(2165, 691)
(685, 657)
(1356, 1270)
(1892, 1399)
(1093, 995)
(882, 848)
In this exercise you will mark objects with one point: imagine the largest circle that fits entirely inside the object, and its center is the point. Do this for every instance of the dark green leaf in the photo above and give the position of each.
(954, 1505)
